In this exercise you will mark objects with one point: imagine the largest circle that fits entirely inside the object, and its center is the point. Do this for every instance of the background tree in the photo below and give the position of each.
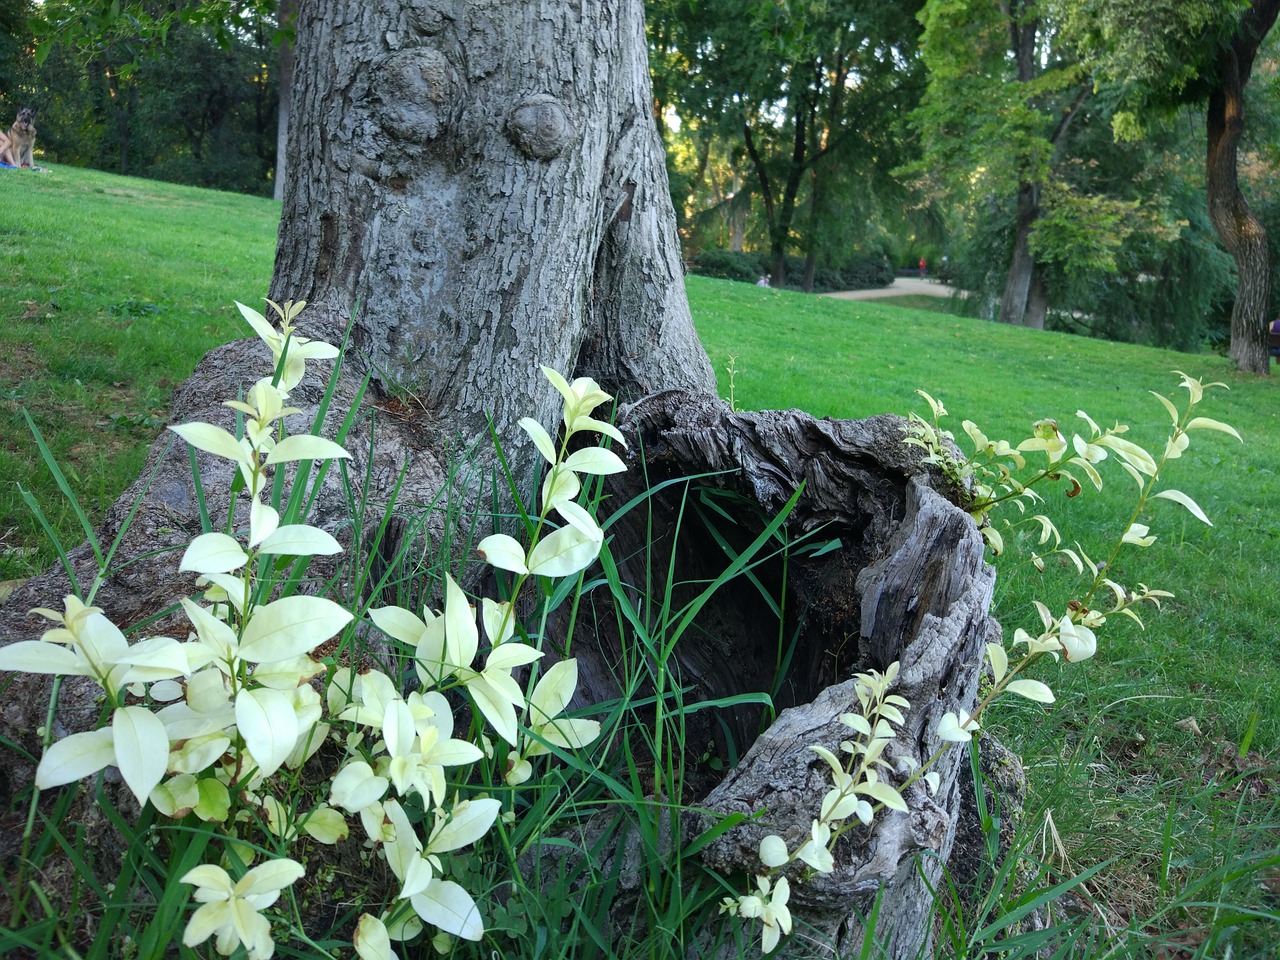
(810, 94)
(1165, 54)
(199, 107)
(1002, 98)
(285, 14)
(14, 49)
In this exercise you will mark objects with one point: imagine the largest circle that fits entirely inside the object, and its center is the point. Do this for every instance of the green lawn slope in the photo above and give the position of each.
(1160, 753)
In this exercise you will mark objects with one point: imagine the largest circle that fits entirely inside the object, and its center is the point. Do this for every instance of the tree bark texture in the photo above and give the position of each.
(1235, 223)
(482, 186)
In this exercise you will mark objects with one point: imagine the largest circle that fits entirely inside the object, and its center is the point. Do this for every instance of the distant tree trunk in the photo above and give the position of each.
(1025, 299)
(1021, 279)
(285, 12)
(1237, 227)
(1037, 302)
(1024, 26)
(816, 200)
(780, 208)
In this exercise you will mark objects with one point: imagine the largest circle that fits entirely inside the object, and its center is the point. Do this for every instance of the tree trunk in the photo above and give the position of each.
(1239, 230)
(908, 583)
(285, 15)
(1022, 268)
(1037, 301)
(481, 185)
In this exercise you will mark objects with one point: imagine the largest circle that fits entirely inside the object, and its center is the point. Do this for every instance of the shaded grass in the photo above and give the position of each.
(858, 358)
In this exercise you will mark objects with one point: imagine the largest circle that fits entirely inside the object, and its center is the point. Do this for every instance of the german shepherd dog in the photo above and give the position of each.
(22, 136)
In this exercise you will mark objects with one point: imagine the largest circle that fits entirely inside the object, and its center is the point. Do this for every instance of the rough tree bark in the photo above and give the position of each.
(1235, 223)
(1024, 275)
(480, 186)
(483, 185)
(909, 584)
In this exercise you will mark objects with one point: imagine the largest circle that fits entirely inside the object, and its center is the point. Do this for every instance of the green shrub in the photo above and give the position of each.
(730, 265)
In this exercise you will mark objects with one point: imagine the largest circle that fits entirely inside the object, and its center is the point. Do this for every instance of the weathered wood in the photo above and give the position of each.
(908, 584)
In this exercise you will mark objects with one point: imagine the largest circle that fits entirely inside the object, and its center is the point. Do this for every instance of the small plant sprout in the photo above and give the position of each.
(989, 476)
(768, 905)
(859, 789)
(231, 912)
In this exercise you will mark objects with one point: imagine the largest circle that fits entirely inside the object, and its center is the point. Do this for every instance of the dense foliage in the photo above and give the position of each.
(1053, 152)
(855, 273)
(198, 109)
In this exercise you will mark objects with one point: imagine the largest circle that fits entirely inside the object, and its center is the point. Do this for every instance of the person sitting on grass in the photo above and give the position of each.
(6, 151)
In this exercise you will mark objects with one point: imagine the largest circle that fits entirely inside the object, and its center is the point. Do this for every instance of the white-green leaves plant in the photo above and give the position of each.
(223, 712)
(230, 912)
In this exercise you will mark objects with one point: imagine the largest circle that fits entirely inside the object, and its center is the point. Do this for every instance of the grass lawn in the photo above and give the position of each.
(114, 288)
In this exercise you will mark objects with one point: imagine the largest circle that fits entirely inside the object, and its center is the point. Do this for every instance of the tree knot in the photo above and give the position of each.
(540, 126)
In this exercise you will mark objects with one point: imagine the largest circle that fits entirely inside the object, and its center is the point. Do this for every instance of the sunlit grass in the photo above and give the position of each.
(113, 289)
(1139, 760)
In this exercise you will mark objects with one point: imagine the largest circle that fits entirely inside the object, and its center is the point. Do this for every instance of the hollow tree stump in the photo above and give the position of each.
(908, 583)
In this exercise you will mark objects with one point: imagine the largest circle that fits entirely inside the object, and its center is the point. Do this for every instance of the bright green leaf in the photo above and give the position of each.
(266, 720)
(211, 439)
(595, 460)
(75, 757)
(541, 439)
(563, 553)
(1031, 689)
(773, 851)
(305, 446)
(1204, 423)
(999, 661)
(1177, 496)
(37, 656)
(449, 907)
(300, 540)
(470, 821)
(398, 623)
(141, 749)
(326, 825)
(504, 552)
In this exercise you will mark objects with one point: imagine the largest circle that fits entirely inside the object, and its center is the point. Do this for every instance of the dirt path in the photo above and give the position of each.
(901, 287)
